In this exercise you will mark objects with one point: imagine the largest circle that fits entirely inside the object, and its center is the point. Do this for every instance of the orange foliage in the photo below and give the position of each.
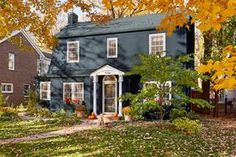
(223, 72)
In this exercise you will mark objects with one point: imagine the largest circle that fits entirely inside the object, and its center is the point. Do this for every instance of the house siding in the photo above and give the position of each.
(93, 51)
(25, 68)
(93, 55)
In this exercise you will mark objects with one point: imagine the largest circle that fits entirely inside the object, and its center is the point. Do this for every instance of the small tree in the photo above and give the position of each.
(160, 70)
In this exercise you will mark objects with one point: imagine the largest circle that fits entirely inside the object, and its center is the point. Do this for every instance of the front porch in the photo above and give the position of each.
(111, 88)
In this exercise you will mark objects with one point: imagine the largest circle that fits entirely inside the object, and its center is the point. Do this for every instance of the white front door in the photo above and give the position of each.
(109, 94)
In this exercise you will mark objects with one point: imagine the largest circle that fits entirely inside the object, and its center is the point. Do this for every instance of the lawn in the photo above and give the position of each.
(138, 139)
(10, 129)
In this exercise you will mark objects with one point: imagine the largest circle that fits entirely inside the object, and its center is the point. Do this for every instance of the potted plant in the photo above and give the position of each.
(80, 109)
(126, 111)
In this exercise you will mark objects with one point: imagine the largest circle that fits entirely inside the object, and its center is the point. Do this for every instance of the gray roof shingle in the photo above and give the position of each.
(128, 24)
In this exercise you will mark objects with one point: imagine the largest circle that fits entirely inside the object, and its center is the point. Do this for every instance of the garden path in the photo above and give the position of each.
(85, 125)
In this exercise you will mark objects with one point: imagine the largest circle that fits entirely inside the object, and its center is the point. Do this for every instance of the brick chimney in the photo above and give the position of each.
(72, 18)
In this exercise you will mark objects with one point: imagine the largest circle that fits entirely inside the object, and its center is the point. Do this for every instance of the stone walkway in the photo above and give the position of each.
(85, 125)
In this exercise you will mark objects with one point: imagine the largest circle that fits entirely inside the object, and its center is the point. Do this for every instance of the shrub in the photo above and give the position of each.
(3, 99)
(33, 99)
(8, 114)
(188, 125)
(177, 113)
(181, 112)
(66, 118)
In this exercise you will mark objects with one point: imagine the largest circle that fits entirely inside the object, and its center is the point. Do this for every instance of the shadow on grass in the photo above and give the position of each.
(150, 140)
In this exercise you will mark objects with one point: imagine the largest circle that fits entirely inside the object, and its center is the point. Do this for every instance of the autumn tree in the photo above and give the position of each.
(39, 17)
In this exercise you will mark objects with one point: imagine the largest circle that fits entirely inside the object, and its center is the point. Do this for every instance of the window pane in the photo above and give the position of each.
(45, 91)
(73, 51)
(112, 47)
(157, 44)
(11, 61)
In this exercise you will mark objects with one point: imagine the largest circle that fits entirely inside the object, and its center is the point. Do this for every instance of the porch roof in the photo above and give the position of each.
(107, 70)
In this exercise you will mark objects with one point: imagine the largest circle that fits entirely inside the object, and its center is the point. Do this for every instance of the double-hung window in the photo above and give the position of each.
(166, 87)
(73, 51)
(45, 90)
(74, 92)
(112, 47)
(26, 90)
(7, 87)
(11, 61)
(157, 44)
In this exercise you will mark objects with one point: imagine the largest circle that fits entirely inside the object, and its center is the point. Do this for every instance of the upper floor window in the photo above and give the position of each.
(73, 92)
(72, 51)
(157, 44)
(7, 87)
(45, 90)
(112, 47)
(11, 61)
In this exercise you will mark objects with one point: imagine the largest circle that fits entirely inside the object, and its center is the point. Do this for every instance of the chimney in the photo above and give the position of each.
(72, 18)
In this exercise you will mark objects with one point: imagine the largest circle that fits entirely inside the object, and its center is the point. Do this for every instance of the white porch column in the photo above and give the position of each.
(95, 94)
(120, 94)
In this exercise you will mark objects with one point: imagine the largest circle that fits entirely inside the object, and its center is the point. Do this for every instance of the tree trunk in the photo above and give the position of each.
(216, 104)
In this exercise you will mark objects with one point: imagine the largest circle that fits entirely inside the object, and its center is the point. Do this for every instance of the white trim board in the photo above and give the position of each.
(29, 39)
(107, 70)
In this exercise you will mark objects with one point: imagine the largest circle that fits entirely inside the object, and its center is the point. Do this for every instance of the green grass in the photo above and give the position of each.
(11, 129)
(22, 128)
(124, 140)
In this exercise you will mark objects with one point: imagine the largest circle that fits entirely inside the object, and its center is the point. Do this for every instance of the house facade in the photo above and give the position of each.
(20, 62)
(90, 61)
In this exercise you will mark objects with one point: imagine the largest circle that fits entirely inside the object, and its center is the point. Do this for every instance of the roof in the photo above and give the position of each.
(120, 25)
(48, 55)
(30, 40)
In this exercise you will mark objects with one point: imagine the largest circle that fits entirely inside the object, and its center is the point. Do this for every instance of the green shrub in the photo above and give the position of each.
(188, 125)
(181, 112)
(32, 102)
(177, 113)
(8, 114)
(192, 115)
(3, 99)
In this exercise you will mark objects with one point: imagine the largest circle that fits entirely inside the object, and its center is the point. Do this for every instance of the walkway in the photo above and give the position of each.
(85, 125)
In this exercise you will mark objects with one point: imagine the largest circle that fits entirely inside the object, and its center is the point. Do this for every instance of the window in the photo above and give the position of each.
(26, 90)
(45, 90)
(7, 87)
(38, 66)
(72, 51)
(112, 47)
(157, 44)
(73, 91)
(11, 61)
(166, 87)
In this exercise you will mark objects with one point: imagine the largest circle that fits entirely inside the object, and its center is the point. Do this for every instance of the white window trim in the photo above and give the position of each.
(116, 40)
(67, 52)
(26, 96)
(13, 61)
(157, 83)
(73, 84)
(164, 42)
(7, 92)
(48, 91)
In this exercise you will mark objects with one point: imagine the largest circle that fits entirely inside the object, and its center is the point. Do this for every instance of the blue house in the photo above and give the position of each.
(90, 60)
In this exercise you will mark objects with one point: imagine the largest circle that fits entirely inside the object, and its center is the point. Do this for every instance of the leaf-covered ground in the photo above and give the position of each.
(218, 138)
(11, 129)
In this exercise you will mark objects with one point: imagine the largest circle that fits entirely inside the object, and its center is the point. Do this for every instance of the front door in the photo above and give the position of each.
(109, 94)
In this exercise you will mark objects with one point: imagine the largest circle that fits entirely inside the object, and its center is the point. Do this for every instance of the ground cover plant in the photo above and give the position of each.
(137, 139)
